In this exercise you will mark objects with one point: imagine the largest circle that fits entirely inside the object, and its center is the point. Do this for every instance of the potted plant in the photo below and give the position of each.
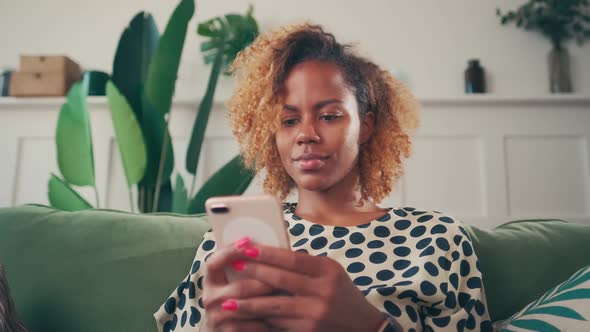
(560, 21)
(140, 96)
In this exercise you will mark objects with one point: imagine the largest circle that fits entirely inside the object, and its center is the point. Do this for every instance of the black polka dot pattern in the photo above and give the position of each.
(416, 266)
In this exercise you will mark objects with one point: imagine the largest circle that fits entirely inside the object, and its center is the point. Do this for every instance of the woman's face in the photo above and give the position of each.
(320, 131)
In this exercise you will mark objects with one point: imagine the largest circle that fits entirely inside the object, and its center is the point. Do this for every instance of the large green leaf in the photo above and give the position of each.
(166, 197)
(155, 135)
(163, 68)
(74, 139)
(134, 52)
(179, 197)
(63, 197)
(193, 152)
(231, 179)
(129, 136)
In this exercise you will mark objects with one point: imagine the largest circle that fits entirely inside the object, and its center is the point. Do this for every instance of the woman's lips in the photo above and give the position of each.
(310, 164)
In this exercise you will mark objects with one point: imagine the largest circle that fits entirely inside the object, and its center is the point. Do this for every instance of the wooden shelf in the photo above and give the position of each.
(13, 103)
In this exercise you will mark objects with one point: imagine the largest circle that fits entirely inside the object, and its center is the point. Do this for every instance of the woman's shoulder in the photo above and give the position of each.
(433, 222)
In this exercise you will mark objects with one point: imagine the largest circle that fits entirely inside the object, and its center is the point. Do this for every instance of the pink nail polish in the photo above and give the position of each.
(230, 305)
(252, 252)
(242, 243)
(238, 265)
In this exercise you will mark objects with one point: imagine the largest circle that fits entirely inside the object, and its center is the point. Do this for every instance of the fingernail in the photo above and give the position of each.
(238, 265)
(230, 305)
(252, 252)
(243, 242)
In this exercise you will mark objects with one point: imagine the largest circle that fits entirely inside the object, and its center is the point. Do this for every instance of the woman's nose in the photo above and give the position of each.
(307, 133)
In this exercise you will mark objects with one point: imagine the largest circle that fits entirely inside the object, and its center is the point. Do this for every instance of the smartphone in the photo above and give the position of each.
(259, 217)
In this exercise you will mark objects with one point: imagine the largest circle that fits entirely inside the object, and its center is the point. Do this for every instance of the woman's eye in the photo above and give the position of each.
(289, 122)
(330, 117)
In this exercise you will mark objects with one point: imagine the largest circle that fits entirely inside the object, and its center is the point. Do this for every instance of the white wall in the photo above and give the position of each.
(430, 40)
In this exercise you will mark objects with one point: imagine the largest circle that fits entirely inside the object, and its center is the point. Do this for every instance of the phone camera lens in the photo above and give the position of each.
(220, 209)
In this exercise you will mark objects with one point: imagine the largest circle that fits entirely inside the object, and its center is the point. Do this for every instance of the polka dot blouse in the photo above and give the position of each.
(417, 267)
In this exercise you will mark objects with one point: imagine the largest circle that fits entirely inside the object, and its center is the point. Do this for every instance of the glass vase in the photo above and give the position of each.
(559, 70)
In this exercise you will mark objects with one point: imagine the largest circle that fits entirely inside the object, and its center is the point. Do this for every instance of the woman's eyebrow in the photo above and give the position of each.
(316, 107)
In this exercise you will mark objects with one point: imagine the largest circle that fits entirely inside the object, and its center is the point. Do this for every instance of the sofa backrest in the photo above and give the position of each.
(522, 259)
(100, 270)
(94, 270)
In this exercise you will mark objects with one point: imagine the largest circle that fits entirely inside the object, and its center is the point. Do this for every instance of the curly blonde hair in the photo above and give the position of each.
(254, 108)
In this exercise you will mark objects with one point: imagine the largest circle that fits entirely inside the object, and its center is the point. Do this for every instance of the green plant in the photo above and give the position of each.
(224, 39)
(140, 97)
(558, 20)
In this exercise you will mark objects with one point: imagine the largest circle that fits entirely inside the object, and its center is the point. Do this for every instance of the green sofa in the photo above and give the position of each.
(101, 270)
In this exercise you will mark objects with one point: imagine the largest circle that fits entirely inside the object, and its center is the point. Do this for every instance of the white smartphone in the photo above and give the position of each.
(259, 217)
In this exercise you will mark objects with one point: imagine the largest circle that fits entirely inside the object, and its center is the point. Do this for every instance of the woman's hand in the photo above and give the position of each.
(323, 298)
(216, 290)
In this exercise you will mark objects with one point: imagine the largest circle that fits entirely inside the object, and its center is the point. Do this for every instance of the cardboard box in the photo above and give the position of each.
(50, 64)
(44, 76)
(24, 84)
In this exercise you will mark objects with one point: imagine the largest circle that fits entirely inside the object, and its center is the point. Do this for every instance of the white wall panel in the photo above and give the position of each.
(483, 159)
(548, 175)
(447, 172)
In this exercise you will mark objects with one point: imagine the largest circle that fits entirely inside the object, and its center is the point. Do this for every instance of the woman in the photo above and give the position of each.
(334, 126)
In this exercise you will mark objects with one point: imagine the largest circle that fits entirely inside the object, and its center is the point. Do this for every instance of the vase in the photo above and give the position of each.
(559, 70)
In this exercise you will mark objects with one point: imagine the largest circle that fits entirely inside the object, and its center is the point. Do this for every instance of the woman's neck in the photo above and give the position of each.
(341, 205)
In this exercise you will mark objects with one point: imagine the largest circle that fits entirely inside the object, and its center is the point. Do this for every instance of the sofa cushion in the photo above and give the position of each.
(523, 259)
(94, 270)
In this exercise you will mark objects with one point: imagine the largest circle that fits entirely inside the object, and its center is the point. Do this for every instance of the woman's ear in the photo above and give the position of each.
(367, 127)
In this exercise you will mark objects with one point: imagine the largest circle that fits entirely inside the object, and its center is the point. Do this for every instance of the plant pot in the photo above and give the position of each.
(559, 70)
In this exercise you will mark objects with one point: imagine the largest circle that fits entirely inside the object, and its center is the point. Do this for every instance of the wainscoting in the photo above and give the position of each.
(482, 159)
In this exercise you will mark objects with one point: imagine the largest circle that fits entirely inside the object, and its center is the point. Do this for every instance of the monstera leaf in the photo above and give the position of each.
(234, 31)
(225, 37)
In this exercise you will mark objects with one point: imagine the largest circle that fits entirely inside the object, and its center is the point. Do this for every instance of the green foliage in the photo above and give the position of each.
(128, 134)
(74, 140)
(231, 179)
(140, 96)
(233, 32)
(164, 65)
(558, 20)
(135, 50)
(224, 38)
(63, 197)
(180, 196)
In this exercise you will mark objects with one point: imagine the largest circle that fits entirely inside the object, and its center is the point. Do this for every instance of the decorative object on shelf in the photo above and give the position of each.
(5, 83)
(43, 76)
(559, 21)
(140, 96)
(95, 82)
(475, 80)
